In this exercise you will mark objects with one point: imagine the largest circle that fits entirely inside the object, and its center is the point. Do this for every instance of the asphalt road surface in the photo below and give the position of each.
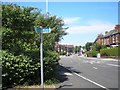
(87, 73)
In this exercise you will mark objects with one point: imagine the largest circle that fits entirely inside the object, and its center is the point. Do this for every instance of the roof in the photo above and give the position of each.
(112, 32)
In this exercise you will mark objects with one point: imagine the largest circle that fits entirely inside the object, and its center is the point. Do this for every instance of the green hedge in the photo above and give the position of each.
(50, 64)
(24, 70)
(110, 52)
(92, 53)
(62, 53)
(18, 70)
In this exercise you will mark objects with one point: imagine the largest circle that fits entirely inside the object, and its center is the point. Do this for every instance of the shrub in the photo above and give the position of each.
(50, 65)
(17, 70)
(62, 53)
(92, 53)
(110, 52)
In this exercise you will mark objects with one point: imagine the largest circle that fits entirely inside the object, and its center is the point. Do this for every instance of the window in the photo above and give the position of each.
(113, 38)
(117, 38)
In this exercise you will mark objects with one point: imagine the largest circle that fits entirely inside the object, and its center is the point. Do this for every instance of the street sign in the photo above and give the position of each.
(45, 30)
(37, 30)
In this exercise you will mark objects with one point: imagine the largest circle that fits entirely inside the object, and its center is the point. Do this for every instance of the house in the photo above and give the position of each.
(110, 39)
(64, 48)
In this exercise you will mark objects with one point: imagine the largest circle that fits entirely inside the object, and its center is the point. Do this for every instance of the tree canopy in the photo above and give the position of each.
(88, 45)
(21, 42)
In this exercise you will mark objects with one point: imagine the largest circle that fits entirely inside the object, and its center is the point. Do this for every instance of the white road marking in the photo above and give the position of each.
(91, 81)
(91, 62)
(114, 65)
(95, 68)
(68, 74)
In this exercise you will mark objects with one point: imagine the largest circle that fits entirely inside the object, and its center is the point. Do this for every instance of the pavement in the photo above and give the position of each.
(99, 58)
(88, 73)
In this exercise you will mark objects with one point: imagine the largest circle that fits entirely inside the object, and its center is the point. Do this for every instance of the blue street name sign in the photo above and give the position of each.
(45, 30)
(37, 30)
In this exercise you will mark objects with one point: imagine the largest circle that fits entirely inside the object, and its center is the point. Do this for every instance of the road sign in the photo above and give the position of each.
(45, 30)
(41, 31)
(37, 30)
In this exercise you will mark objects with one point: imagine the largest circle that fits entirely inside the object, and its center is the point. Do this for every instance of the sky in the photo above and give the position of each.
(85, 19)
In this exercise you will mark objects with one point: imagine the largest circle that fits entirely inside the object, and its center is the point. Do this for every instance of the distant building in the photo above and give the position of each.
(64, 48)
(110, 39)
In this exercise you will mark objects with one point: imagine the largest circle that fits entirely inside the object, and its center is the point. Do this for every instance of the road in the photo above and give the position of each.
(86, 73)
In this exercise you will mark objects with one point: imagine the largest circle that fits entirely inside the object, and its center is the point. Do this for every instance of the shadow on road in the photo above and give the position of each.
(63, 77)
(62, 86)
(62, 70)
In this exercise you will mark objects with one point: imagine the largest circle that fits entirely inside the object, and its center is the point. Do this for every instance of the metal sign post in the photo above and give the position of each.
(42, 30)
(41, 57)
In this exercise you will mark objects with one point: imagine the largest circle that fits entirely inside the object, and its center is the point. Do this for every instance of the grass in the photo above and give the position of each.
(36, 86)
(33, 87)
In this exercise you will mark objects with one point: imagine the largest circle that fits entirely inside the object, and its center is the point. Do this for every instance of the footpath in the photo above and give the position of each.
(101, 58)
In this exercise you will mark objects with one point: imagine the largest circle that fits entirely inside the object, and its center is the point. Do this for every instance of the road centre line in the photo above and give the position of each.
(91, 81)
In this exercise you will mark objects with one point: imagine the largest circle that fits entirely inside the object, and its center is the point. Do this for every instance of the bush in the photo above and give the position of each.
(110, 52)
(50, 65)
(62, 53)
(17, 70)
(92, 53)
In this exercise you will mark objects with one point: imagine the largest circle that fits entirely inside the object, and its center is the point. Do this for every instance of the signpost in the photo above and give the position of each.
(45, 30)
(41, 31)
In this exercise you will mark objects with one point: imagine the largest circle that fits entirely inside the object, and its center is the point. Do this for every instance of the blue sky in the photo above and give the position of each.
(85, 19)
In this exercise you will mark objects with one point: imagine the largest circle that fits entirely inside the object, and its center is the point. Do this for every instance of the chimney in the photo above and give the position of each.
(117, 27)
(106, 32)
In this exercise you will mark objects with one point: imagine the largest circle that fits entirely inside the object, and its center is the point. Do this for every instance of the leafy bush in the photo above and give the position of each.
(110, 52)
(21, 64)
(92, 53)
(50, 64)
(17, 69)
(62, 53)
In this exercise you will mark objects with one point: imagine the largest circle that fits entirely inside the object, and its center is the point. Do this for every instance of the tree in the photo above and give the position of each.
(21, 40)
(19, 22)
(77, 49)
(56, 24)
(88, 45)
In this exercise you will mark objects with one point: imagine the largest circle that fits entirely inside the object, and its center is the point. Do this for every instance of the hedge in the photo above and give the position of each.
(18, 70)
(24, 70)
(62, 53)
(92, 53)
(110, 52)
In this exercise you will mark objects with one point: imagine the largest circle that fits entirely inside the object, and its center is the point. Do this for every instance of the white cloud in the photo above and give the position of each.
(72, 20)
(93, 26)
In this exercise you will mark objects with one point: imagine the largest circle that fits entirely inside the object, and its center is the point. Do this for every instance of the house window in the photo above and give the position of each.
(113, 38)
(107, 41)
(117, 38)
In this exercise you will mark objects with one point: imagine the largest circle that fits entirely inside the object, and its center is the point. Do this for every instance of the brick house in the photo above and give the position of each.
(64, 48)
(110, 39)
